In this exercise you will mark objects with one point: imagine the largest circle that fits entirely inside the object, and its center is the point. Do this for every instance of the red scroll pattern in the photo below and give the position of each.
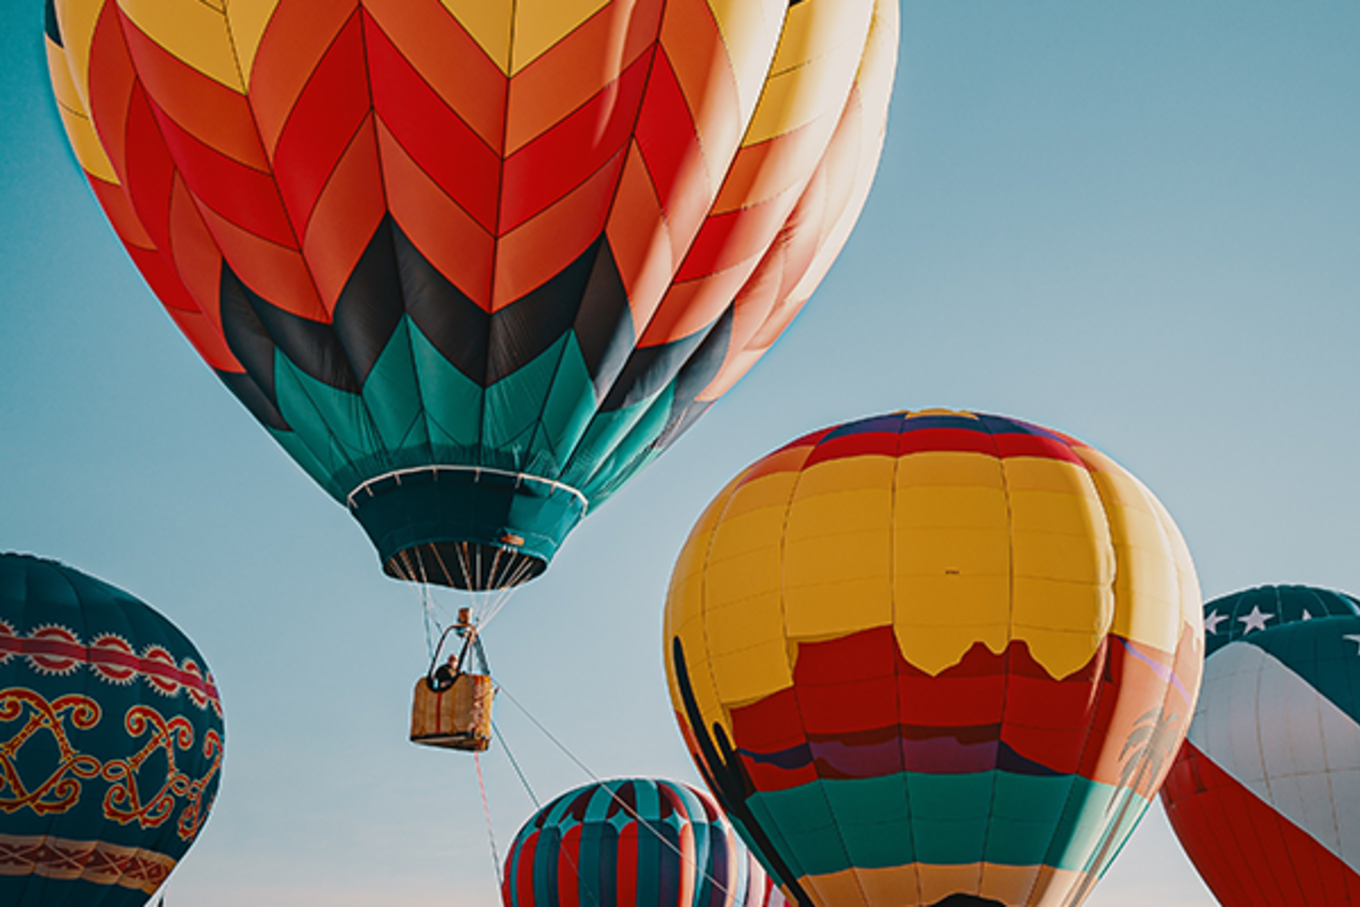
(125, 801)
(60, 790)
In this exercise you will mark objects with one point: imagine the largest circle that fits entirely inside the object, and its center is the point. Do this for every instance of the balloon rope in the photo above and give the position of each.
(422, 591)
(486, 811)
(515, 764)
(505, 594)
(566, 854)
(632, 813)
(463, 564)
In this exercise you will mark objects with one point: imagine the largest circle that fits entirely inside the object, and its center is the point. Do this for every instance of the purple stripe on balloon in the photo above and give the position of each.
(961, 751)
(1163, 671)
(936, 755)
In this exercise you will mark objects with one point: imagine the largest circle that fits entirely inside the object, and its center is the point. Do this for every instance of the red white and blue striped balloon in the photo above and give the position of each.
(1265, 792)
(633, 842)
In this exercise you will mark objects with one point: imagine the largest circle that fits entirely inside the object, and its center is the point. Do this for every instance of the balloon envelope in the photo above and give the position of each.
(1233, 616)
(474, 263)
(934, 658)
(110, 740)
(633, 841)
(1265, 792)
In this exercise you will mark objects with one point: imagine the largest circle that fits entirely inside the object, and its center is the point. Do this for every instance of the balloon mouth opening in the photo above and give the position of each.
(465, 565)
(466, 527)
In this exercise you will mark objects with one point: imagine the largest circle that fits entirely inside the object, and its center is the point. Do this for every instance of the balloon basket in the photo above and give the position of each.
(457, 718)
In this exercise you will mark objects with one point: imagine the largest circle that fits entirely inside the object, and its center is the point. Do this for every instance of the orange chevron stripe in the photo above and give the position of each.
(119, 211)
(247, 197)
(206, 337)
(111, 92)
(149, 169)
(328, 113)
(674, 156)
(758, 297)
(578, 67)
(214, 114)
(696, 52)
(165, 283)
(691, 305)
(641, 240)
(736, 238)
(530, 255)
(766, 170)
(348, 211)
(448, 59)
(439, 141)
(192, 251)
(680, 124)
(443, 232)
(278, 273)
(293, 44)
(570, 153)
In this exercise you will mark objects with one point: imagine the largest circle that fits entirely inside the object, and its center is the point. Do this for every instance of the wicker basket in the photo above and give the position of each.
(458, 718)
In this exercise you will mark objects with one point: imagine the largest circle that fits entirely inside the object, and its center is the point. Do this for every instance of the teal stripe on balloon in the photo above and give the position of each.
(832, 824)
(416, 409)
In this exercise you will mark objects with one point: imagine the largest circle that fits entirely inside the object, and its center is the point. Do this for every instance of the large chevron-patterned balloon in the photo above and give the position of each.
(1265, 792)
(475, 262)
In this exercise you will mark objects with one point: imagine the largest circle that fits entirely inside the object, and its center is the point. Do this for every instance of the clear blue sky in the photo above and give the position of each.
(1135, 222)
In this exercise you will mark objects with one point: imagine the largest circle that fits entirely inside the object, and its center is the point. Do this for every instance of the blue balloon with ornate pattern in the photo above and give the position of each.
(110, 740)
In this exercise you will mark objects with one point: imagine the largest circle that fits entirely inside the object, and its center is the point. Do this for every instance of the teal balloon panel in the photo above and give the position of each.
(111, 740)
(1238, 614)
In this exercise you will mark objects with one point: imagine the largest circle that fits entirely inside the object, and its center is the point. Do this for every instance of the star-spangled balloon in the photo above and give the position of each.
(1265, 792)
(1231, 616)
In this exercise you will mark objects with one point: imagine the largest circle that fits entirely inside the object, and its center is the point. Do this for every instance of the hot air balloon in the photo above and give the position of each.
(110, 740)
(934, 658)
(473, 263)
(1265, 792)
(633, 841)
(1229, 618)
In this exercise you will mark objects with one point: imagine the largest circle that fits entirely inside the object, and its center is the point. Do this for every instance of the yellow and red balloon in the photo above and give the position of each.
(934, 658)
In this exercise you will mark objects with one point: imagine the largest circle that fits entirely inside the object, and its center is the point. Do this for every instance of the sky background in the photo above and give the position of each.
(1138, 223)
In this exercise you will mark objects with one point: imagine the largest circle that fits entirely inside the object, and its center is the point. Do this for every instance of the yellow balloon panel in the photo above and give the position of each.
(951, 547)
(76, 20)
(197, 33)
(247, 21)
(750, 30)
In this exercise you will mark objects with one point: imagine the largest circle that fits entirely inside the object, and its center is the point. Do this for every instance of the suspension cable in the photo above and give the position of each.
(422, 593)
(632, 813)
(565, 854)
(496, 731)
(486, 811)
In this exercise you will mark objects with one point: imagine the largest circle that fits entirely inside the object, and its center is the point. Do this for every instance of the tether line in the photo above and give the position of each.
(615, 797)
